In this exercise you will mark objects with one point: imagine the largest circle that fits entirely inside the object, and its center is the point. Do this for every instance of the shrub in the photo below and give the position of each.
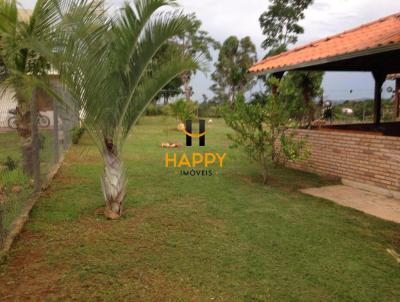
(262, 131)
(42, 141)
(210, 110)
(10, 163)
(166, 110)
(76, 134)
(183, 110)
(153, 110)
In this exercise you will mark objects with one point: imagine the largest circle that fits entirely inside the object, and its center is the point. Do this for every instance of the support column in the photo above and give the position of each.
(380, 78)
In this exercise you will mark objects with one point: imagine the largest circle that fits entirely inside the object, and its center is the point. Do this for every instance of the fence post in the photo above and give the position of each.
(35, 143)
(55, 132)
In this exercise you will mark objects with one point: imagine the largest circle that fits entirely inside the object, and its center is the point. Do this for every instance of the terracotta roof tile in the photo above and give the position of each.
(376, 34)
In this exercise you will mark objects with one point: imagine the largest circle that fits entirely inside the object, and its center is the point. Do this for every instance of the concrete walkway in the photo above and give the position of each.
(370, 203)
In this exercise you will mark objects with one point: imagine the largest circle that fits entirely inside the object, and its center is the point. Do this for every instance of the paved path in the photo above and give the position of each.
(370, 203)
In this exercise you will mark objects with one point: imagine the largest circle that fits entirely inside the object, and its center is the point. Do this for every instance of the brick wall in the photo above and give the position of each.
(368, 159)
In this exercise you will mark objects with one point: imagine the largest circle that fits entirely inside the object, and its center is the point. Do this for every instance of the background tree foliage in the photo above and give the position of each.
(173, 88)
(194, 43)
(280, 24)
(304, 87)
(231, 75)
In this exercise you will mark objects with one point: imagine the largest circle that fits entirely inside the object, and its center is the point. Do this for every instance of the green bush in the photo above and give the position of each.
(264, 131)
(152, 110)
(42, 141)
(76, 134)
(10, 163)
(183, 110)
(208, 109)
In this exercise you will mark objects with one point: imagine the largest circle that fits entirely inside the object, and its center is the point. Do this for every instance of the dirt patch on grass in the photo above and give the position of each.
(25, 277)
(92, 259)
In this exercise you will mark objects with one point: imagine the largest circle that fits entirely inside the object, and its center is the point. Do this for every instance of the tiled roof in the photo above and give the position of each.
(377, 34)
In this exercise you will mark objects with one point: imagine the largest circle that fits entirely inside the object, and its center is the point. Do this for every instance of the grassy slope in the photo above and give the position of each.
(224, 238)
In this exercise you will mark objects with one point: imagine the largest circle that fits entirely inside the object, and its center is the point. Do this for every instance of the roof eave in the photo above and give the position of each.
(347, 56)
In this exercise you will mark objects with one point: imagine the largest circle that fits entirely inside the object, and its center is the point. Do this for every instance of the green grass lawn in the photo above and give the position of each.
(221, 238)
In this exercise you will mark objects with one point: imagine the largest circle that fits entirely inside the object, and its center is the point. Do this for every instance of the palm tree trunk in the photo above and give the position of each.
(113, 185)
(186, 88)
(25, 132)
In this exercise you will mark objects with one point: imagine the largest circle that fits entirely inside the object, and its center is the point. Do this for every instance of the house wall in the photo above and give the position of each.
(8, 102)
(367, 159)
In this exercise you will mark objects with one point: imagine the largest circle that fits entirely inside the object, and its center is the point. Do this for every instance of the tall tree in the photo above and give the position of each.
(173, 88)
(231, 74)
(111, 75)
(280, 24)
(196, 43)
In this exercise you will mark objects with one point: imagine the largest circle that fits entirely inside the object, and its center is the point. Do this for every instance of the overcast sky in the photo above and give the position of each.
(222, 18)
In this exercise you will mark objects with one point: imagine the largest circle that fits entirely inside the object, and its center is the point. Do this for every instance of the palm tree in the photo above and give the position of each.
(20, 66)
(114, 71)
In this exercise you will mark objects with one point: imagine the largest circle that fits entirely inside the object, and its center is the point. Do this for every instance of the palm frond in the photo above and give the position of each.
(150, 86)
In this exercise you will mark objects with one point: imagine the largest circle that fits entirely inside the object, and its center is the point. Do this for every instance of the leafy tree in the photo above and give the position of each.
(303, 87)
(280, 24)
(231, 75)
(261, 130)
(171, 90)
(111, 75)
(196, 43)
(21, 67)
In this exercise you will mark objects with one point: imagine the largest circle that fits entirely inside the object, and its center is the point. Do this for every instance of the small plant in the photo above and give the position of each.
(76, 134)
(265, 132)
(10, 163)
(42, 141)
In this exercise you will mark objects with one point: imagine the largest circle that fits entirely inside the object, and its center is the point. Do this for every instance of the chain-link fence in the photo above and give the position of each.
(29, 155)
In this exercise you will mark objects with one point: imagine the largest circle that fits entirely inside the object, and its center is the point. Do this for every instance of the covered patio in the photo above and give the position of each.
(372, 47)
(367, 154)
